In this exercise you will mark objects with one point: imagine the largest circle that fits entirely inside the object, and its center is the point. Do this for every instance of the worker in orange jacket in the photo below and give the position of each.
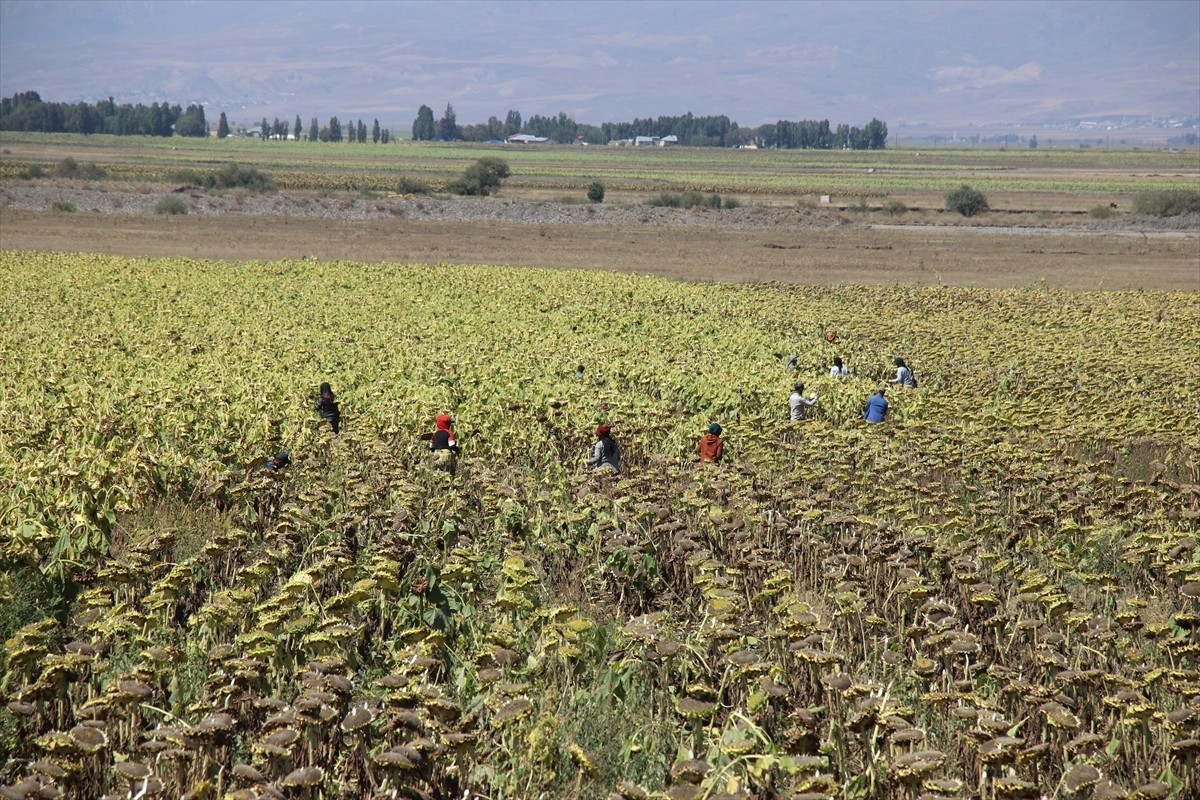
(711, 447)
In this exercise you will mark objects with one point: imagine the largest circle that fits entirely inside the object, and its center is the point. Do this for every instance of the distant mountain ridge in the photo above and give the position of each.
(907, 63)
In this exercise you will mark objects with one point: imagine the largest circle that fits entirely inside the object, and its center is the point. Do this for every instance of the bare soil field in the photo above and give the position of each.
(739, 245)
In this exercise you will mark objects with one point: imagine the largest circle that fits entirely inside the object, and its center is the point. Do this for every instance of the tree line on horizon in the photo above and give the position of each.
(689, 129)
(26, 111)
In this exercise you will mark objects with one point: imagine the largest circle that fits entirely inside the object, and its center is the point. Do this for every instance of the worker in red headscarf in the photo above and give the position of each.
(606, 456)
(444, 444)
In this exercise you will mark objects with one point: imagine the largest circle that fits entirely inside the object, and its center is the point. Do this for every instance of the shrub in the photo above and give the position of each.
(595, 192)
(1167, 204)
(92, 172)
(966, 201)
(33, 171)
(62, 205)
(171, 205)
(895, 208)
(688, 199)
(1100, 212)
(859, 207)
(235, 176)
(481, 178)
(731, 202)
(67, 168)
(407, 185)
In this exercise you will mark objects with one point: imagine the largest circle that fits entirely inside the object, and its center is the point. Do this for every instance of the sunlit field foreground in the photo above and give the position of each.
(992, 594)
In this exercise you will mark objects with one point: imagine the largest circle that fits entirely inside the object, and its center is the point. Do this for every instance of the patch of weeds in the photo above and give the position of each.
(63, 206)
(895, 208)
(32, 172)
(407, 185)
(171, 205)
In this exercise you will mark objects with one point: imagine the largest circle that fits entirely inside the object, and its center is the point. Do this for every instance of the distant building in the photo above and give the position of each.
(644, 141)
(668, 141)
(525, 138)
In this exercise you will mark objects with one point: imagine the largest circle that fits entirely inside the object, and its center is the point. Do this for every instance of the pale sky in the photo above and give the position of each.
(946, 62)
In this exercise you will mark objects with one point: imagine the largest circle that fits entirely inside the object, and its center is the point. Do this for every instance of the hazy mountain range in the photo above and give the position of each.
(942, 63)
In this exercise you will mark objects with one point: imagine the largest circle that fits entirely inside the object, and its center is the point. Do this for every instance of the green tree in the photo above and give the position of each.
(423, 126)
(481, 178)
(595, 192)
(314, 130)
(1033, 142)
(362, 132)
(375, 132)
(192, 122)
(297, 128)
(447, 127)
(222, 127)
(512, 122)
(335, 130)
(966, 201)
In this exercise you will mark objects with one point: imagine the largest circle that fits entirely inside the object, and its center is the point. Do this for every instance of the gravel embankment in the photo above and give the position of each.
(132, 201)
(127, 199)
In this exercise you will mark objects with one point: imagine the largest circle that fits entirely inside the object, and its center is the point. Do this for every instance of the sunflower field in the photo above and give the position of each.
(993, 594)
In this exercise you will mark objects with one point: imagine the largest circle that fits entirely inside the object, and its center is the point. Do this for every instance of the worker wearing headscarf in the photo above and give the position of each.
(711, 447)
(606, 456)
(444, 444)
(327, 405)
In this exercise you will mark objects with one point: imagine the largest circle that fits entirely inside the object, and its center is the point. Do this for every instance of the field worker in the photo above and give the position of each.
(579, 372)
(838, 370)
(798, 404)
(606, 456)
(793, 361)
(877, 406)
(904, 375)
(281, 460)
(327, 404)
(444, 444)
(711, 447)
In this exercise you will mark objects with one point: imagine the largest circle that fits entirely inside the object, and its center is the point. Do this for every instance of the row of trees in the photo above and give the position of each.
(332, 132)
(690, 130)
(26, 111)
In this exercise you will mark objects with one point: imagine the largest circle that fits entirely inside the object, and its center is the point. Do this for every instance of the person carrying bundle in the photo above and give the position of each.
(444, 444)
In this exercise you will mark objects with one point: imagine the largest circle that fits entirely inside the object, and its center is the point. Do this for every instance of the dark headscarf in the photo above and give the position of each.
(714, 429)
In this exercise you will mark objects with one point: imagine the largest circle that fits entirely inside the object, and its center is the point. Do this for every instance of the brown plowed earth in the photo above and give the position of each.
(815, 254)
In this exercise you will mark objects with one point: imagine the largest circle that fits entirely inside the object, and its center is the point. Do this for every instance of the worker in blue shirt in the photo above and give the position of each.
(877, 406)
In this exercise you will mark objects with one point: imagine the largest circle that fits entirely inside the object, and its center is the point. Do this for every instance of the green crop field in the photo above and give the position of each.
(992, 594)
(754, 173)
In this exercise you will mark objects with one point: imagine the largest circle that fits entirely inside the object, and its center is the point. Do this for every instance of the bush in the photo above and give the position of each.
(966, 201)
(859, 207)
(481, 178)
(235, 176)
(1100, 212)
(171, 205)
(1167, 204)
(92, 172)
(731, 202)
(67, 168)
(33, 171)
(407, 185)
(62, 205)
(895, 208)
(688, 199)
(595, 192)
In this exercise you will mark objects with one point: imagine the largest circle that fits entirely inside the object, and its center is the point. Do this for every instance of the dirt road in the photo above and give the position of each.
(852, 254)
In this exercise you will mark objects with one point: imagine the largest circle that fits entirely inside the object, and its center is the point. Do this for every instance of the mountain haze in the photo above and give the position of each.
(908, 63)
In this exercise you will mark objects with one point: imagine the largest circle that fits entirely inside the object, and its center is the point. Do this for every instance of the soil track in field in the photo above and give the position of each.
(821, 249)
